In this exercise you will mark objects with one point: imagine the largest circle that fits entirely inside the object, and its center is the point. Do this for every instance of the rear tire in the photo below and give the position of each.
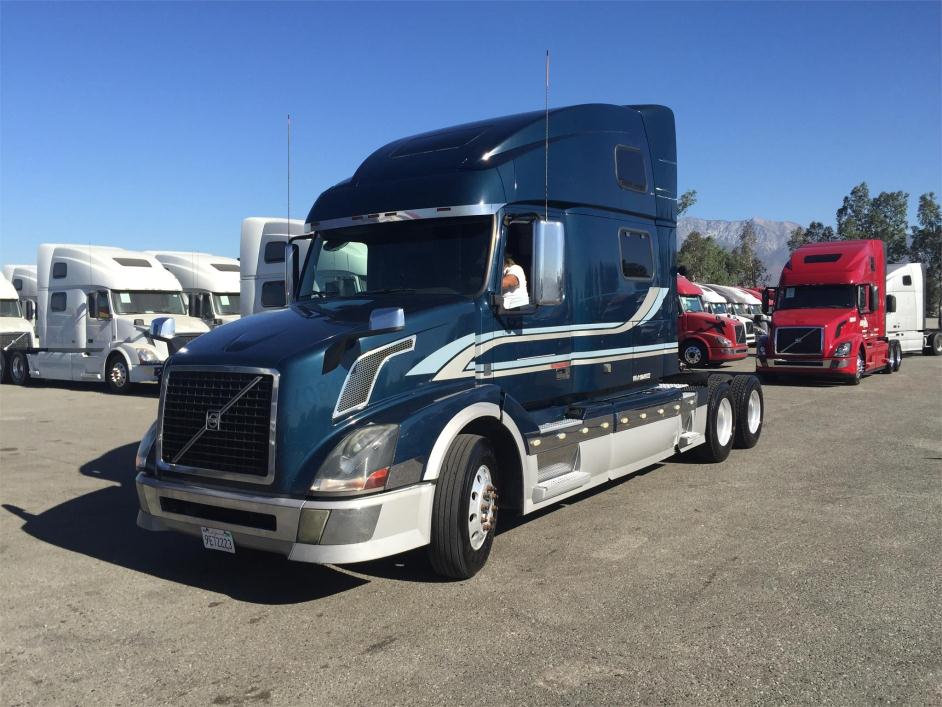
(721, 424)
(750, 410)
(694, 354)
(117, 374)
(19, 368)
(890, 359)
(935, 345)
(3, 366)
(464, 510)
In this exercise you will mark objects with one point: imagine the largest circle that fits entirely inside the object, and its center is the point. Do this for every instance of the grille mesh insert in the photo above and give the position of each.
(740, 334)
(798, 340)
(22, 340)
(241, 444)
(359, 383)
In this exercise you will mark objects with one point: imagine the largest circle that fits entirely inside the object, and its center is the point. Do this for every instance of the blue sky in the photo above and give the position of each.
(163, 124)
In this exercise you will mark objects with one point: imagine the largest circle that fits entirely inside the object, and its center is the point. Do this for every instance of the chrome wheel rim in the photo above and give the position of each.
(861, 365)
(724, 422)
(119, 374)
(482, 507)
(754, 412)
(692, 355)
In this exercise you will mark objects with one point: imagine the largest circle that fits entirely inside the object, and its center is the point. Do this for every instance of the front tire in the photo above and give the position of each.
(859, 371)
(694, 354)
(750, 410)
(118, 375)
(898, 358)
(721, 424)
(464, 512)
(19, 368)
(3, 366)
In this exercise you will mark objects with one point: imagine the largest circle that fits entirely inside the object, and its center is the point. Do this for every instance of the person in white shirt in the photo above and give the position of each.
(513, 285)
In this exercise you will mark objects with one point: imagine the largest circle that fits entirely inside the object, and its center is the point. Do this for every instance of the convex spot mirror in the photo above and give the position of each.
(548, 262)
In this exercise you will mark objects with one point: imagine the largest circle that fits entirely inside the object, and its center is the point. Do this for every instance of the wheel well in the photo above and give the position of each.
(508, 458)
(111, 356)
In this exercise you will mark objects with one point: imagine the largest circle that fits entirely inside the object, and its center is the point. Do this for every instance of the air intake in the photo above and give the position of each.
(358, 387)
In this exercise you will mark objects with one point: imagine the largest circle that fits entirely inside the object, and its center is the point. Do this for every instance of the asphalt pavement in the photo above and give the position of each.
(806, 570)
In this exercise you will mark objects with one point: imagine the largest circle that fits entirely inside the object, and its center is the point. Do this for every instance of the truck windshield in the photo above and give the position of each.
(226, 304)
(817, 297)
(10, 308)
(430, 256)
(719, 308)
(691, 304)
(148, 302)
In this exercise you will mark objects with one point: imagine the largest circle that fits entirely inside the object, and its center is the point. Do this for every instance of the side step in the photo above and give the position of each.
(559, 485)
(689, 439)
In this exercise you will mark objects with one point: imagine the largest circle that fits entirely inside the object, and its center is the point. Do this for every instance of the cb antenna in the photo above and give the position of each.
(546, 143)
(289, 175)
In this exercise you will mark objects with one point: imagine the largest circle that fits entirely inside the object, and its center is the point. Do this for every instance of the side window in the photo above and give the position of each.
(206, 308)
(59, 270)
(629, 168)
(907, 281)
(273, 293)
(518, 256)
(637, 254)
(275, 252)
(57, 302)
(18, 284)
(193, 305)
(104, 306)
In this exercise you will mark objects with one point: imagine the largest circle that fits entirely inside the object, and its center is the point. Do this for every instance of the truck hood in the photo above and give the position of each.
(822, 317)
(313, 347)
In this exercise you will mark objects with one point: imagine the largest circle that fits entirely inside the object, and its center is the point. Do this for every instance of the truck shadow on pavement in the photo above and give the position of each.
(101, 525)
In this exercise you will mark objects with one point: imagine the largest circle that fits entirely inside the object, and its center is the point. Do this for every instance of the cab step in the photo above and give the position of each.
(559, 485)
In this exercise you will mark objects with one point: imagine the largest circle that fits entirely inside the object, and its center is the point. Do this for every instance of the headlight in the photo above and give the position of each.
(147, 356)
(723, 341)
(843, 349)
(760, 350)
(145, 448)
(360, 462)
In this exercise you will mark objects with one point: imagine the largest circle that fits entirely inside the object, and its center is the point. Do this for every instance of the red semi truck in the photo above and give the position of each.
(829, 315)
(706, 339)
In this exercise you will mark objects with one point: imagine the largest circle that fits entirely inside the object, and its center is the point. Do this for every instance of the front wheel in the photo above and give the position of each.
(19, 368)
(720, 424)
(898, 356)
(859, 371)
(117, 375)
(464, 512)
(694, 354)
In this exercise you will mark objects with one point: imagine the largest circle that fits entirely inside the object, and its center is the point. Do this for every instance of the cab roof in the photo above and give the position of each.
(685, 288)
(835, 262)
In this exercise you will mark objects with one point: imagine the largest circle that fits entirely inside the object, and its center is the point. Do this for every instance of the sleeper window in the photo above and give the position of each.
(637, 255)
(59, 270)
(275, 252)
(629, 168)
(57, 302)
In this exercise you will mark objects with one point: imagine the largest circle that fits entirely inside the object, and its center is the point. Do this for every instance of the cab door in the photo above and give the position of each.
(526, 350)
(98, 332)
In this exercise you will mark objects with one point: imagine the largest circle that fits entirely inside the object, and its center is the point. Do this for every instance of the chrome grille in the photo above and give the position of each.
(15, 340)
(740, 334)
(798, 340)
(219, 422)
(750, 328)
(362, 376)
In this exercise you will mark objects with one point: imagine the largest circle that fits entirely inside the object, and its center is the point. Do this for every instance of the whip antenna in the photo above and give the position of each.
(289, 175)
(546, 143)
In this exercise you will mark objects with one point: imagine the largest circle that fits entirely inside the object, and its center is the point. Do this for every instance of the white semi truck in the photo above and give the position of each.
(262, 262)
(906, 283)
(23, 278)
(210, 283)
(16, 333)
(105, 314)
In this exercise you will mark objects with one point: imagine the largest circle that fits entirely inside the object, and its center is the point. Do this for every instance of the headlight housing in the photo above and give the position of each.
(843, 349)
(147, 356)
(723, 341)
(144, 460)
(360, 463)
(760, 350)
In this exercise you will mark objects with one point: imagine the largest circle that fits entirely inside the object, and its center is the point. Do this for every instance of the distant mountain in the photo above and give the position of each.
(772, 236)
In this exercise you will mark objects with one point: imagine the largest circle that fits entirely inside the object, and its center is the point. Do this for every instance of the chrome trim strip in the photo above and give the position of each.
(337, 413)
(410, 215)
(198, 471)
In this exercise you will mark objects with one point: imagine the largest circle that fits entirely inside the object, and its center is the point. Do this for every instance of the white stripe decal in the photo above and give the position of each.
(456, 357)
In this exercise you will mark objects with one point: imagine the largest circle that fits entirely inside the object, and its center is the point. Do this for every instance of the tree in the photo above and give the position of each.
(854, 215)
(686, 201)
(888, 223)
(747, 268)
(816, 232)
(705, 260)
(927, 248)
(796, 239)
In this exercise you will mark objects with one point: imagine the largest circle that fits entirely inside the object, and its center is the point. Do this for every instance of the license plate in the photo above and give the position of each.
(221, 540)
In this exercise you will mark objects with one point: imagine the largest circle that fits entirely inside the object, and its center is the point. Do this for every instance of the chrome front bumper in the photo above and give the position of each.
(353, 530)
(825, 364)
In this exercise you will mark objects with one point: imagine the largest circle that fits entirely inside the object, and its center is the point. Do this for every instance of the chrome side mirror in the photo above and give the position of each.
(548, 261)
(163, 328)
(387, 319)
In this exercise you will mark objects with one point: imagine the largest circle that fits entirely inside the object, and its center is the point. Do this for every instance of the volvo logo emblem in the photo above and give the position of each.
(213, 420)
